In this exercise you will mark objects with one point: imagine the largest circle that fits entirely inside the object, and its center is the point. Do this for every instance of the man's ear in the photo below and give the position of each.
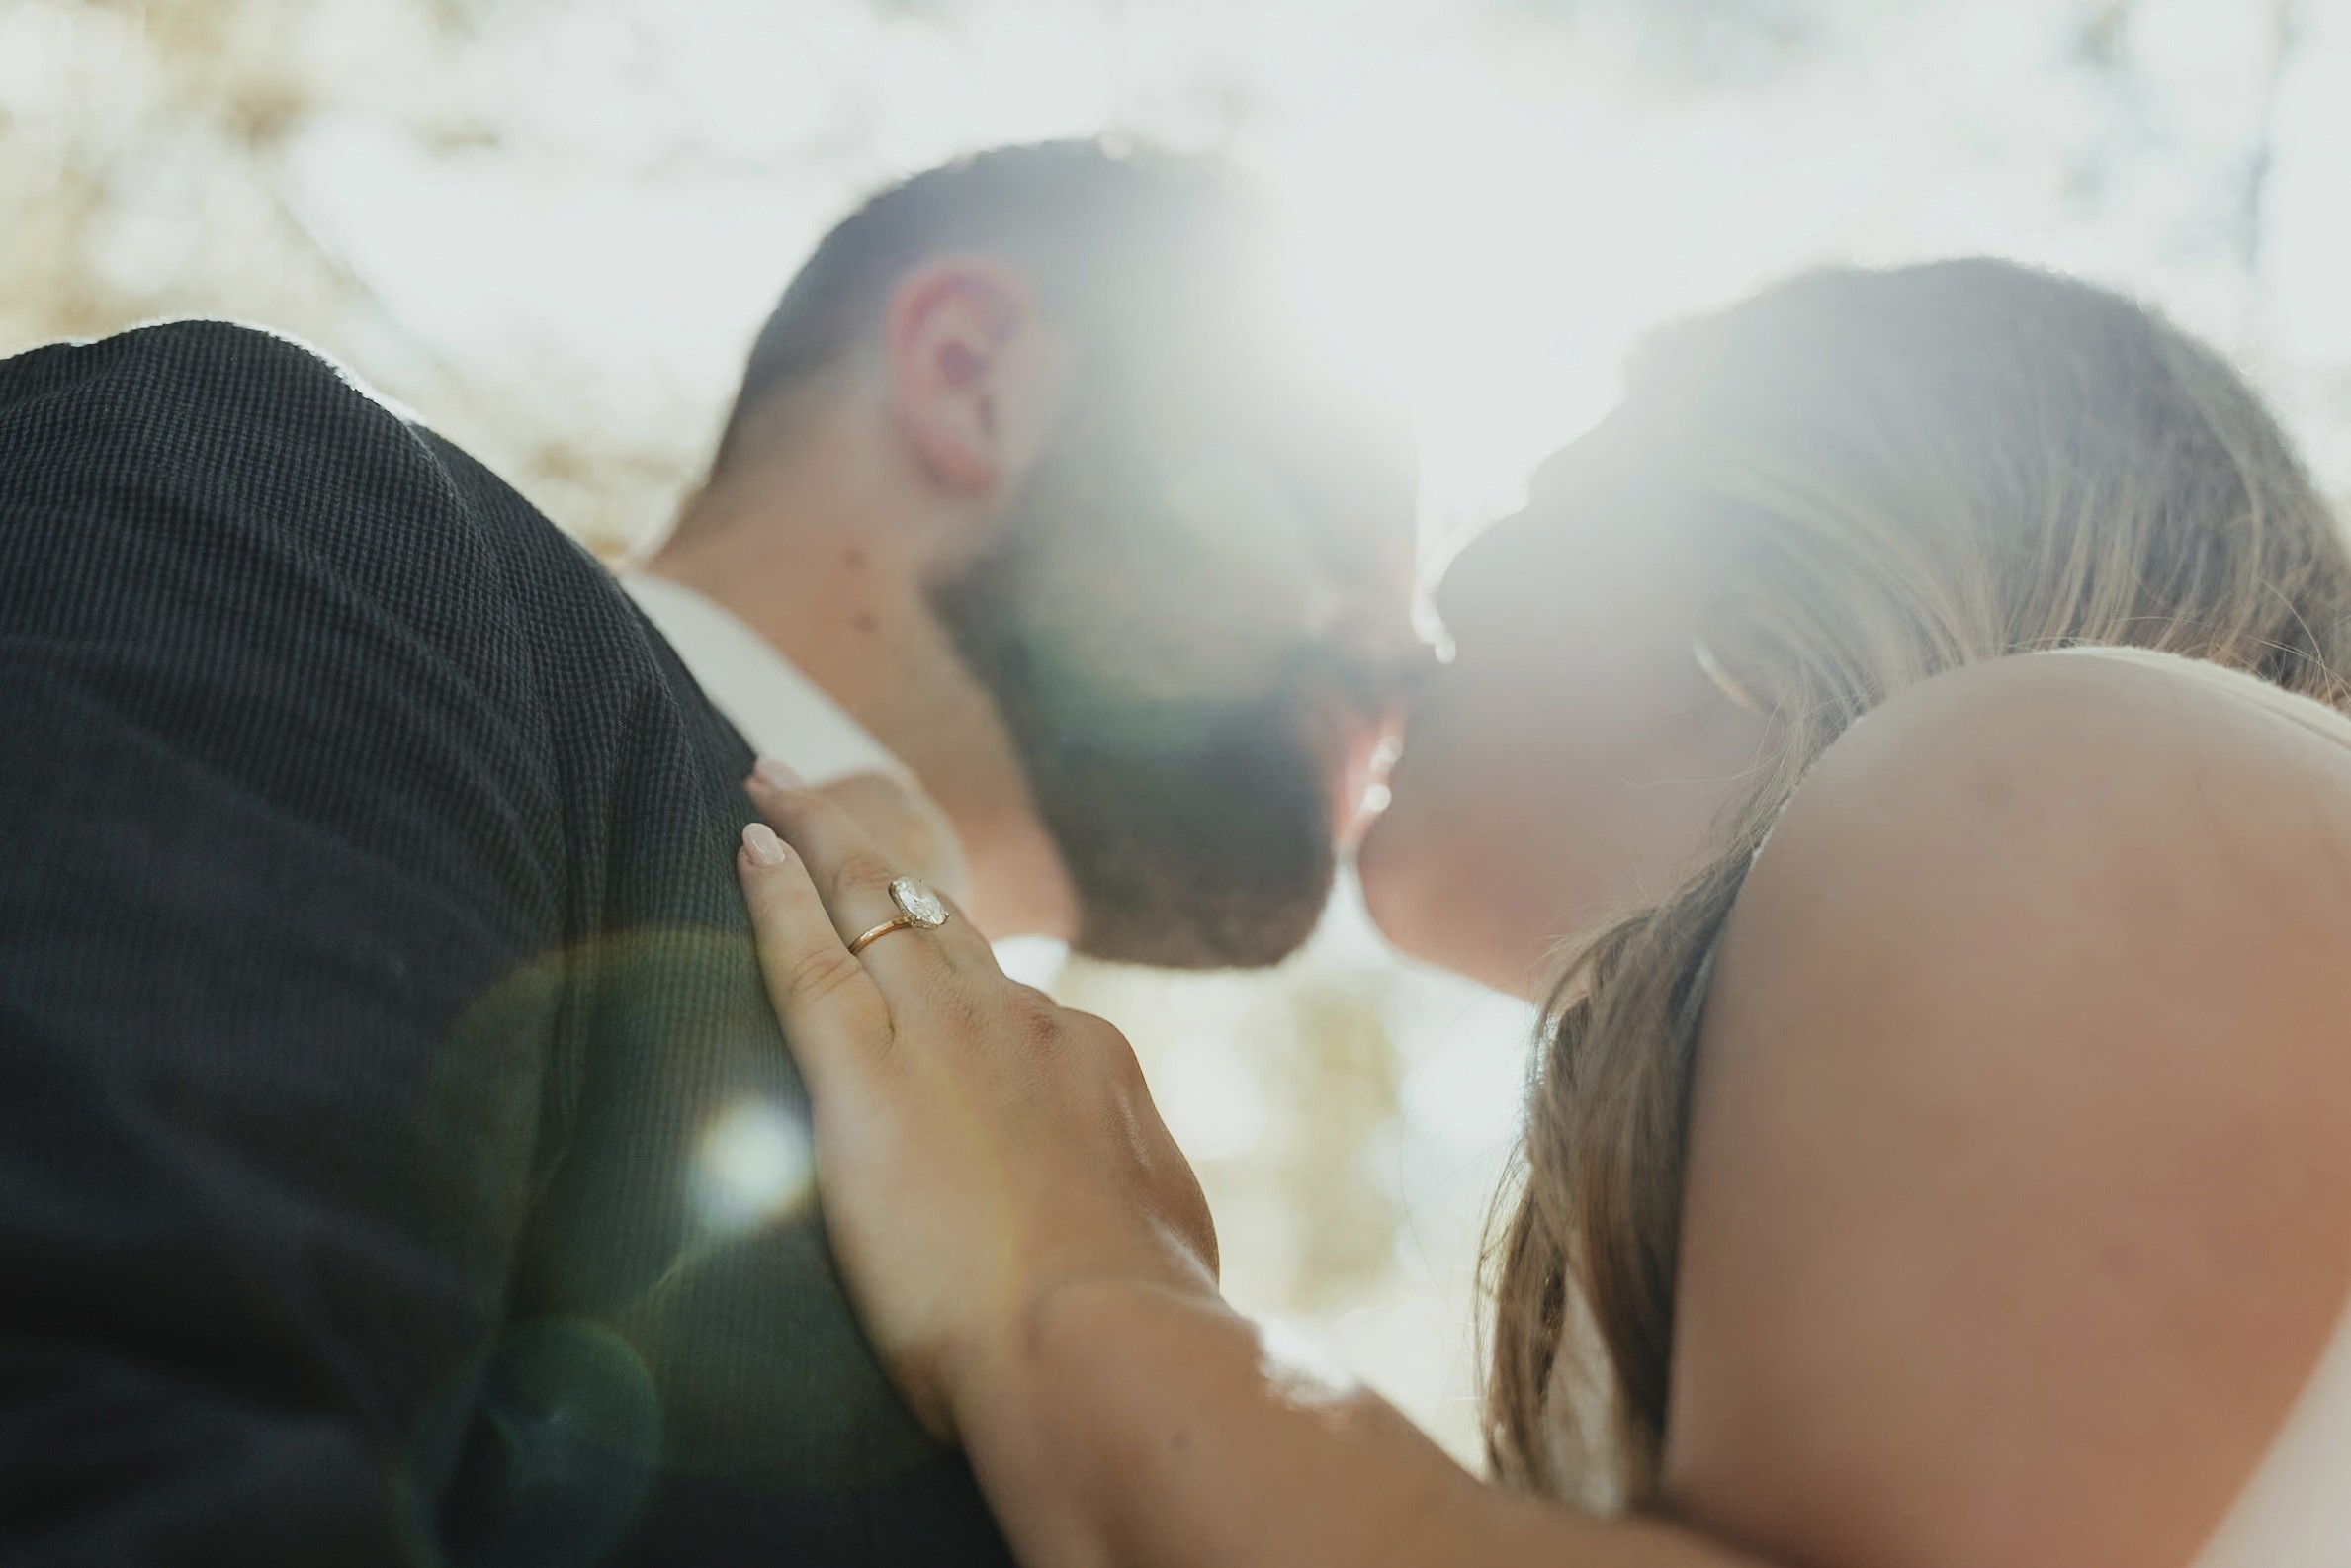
(973, 372)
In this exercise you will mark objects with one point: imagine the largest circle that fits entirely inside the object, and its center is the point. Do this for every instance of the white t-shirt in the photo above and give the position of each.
(780, 711)
(787, 715)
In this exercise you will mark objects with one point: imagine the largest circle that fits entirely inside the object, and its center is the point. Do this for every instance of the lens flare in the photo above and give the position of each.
(753, 1165)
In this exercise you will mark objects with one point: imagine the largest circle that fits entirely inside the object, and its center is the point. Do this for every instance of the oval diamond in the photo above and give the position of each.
(917, 902)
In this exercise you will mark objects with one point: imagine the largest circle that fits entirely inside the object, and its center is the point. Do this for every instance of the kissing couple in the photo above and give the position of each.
(459, 1105)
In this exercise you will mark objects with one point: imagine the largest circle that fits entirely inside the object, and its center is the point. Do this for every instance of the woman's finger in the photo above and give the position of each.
(914, 836)
(828, 1003)
(853, 878)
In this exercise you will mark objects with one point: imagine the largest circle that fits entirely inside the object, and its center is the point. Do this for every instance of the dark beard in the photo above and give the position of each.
(1196, 831)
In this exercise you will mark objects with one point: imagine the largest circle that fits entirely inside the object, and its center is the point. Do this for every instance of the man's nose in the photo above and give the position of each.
(1387, 639)
(1410, 672)
(1382, 679)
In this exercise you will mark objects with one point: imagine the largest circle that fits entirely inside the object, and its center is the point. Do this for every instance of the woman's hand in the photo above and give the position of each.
(978, 1145)
(1033, 1260)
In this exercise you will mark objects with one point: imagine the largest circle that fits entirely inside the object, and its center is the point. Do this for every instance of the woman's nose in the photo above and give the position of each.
(1470, 579)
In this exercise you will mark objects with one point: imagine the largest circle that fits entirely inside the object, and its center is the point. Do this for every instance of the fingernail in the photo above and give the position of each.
(762, 845)
(775, 775)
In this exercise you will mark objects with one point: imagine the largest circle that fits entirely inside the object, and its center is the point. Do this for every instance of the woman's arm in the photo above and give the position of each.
(2019, 1187)
(1036, 1265)
(1157, 1428)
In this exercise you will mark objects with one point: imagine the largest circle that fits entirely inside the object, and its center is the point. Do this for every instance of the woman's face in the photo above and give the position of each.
(1566, 765)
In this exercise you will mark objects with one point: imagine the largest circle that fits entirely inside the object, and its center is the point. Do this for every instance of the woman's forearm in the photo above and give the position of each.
(1034, 1263)
(1138, 1427)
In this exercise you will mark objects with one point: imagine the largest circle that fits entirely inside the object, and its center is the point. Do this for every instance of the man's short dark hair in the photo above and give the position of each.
(1095, 226)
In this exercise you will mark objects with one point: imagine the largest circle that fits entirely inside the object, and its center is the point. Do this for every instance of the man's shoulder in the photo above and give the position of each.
(184, 468)
(206, 415)
(222, 419)
(198, 360)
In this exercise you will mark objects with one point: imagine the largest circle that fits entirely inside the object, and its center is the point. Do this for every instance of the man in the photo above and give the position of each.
(398, 1161)
(1025, 479)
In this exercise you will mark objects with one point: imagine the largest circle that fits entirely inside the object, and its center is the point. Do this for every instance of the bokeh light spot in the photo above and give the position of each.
(753, 1164)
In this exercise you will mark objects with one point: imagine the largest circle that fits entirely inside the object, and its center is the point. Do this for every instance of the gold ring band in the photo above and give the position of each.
(902, 922)
(919, 909)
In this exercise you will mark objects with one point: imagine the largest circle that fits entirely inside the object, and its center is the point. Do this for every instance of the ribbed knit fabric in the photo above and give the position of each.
(380, 1030)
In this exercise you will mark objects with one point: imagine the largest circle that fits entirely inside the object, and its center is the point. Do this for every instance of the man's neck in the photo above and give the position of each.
(811, 556)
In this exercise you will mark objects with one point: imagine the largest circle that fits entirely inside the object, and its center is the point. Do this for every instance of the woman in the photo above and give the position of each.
(1961, 1177)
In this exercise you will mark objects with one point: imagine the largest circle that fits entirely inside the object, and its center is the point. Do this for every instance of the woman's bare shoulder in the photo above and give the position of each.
(2120, 769)
(2029, 1051)
(2037, 712)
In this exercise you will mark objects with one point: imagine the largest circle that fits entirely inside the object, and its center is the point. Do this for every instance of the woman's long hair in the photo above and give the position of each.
(1905, 471)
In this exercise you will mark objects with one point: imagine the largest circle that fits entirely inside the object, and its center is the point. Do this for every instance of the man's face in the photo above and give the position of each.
(1195, 619)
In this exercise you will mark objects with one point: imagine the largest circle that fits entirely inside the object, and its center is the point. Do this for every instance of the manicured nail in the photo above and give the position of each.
(776, 776)
(763, 846)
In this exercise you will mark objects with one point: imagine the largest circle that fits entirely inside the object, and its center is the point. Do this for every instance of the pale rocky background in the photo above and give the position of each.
(551, 225)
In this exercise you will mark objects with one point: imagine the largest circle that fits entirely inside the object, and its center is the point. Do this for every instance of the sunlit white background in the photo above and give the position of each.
(551, 225)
